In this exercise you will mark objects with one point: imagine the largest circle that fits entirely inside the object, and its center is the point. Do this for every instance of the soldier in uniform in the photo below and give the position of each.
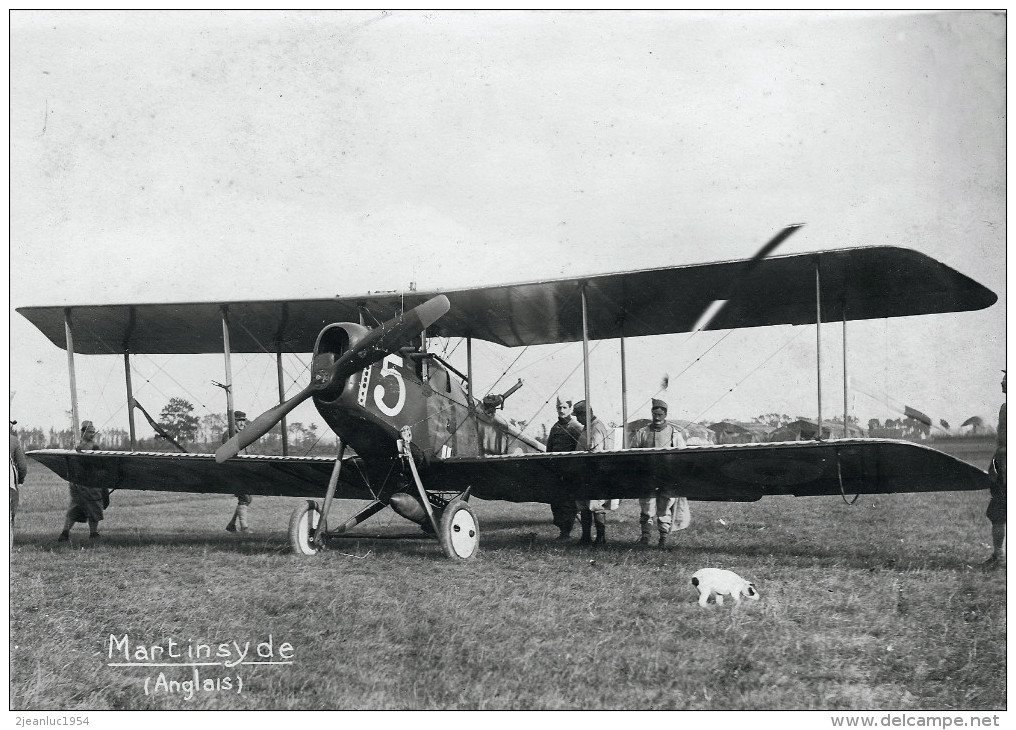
(996, 507)
(595, 437)
(564, 436)
(660, 503)
(19, 469)
(243, 501)
(87, 503)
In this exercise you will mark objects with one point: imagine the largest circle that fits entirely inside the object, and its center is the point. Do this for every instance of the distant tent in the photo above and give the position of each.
(734, 432)
(805, 429)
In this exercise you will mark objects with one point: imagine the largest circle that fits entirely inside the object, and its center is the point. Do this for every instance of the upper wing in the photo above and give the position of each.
(857, 283)
(283, 476)
(734, 472)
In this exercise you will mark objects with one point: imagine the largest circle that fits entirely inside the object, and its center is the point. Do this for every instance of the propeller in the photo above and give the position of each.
(713, 310)
(378, 344)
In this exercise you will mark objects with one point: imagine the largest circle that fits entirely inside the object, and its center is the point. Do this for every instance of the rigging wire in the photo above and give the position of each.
(180, 385)
(558, 388)
(668, 379)
(748, 375)
(549, 355)
(491, 388)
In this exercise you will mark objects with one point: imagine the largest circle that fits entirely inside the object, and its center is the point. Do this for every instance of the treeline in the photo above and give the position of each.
(303, 440)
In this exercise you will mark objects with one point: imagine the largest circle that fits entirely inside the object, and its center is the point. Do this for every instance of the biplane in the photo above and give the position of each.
(425, 443)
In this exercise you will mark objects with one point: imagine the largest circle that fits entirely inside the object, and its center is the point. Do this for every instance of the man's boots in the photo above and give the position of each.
(241, 518)
(646, 524)
(587, 528)
(601, 528)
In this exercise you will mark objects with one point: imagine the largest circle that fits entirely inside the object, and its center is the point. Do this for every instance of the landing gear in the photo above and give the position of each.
(457, 528)
(458, 531)
(302, 528)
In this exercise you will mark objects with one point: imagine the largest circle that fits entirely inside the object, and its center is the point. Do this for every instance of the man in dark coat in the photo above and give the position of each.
(996, 507)
(87, 503)
(19, 469)
(243, 501)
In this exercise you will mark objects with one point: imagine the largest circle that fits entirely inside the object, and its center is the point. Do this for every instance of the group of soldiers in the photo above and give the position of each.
(577, 429)
(88, 504)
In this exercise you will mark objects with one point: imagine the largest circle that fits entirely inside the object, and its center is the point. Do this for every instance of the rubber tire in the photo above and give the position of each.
(459, 531)
(301, 525)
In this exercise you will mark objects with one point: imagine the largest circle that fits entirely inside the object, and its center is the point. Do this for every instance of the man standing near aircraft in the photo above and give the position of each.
(87, 503)
(663, 501)
(595, 437)
(19, 469)
(243, 501)
(564, 436)
(996, 507)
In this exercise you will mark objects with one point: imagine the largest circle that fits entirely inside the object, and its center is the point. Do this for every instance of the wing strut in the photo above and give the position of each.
(407, 454)
(624, 396)
(818, 345)
(846, 430)
(69, 332)
(333, 480)
(278, 368)
(228, 387)
(585, 360)
(130, 399)
(131, 320)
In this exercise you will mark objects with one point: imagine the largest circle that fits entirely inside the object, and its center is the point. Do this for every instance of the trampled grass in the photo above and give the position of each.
(864, 607)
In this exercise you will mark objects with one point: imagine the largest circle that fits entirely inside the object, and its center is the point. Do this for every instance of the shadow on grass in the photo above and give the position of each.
(527, 534)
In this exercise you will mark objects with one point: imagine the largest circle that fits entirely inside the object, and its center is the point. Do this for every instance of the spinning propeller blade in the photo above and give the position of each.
(381, 342)
(713, 310)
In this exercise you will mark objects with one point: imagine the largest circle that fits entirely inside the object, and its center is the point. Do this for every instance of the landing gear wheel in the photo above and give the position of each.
(302, 526)
(459, 531)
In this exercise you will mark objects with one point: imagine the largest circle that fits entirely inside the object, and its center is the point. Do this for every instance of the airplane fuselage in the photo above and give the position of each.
(408, 389)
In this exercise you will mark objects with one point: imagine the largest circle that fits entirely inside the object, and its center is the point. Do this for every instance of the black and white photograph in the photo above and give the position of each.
(508, 360)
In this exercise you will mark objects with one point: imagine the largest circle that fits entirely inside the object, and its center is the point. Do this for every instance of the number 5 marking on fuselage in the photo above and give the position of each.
(388, 369)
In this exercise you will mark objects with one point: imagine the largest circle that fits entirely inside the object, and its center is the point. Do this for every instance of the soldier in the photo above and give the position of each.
(564, 436)
(19, 469)
(243, 501)
(996, 507)
(87, 503)
(595, 437)
(663, 501)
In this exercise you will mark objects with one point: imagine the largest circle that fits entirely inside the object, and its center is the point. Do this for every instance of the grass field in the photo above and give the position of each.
(864, 607)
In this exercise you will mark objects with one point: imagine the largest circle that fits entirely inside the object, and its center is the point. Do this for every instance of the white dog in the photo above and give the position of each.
(713, 581)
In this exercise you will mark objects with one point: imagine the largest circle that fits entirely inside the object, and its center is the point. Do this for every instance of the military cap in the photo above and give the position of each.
(657, 403)
(240, 415)
(566, 402)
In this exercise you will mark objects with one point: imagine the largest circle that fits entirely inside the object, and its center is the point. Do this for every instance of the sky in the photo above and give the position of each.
(192, 155)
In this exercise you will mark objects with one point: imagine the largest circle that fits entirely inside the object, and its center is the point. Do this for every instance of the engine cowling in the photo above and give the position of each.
(332, 343)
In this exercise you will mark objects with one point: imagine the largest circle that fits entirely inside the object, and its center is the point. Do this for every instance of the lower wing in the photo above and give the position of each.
(282, 476)
(734, 472)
